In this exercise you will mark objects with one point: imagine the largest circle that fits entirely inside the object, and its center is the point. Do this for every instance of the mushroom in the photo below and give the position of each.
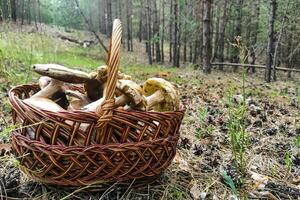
(92, 86)
(94, 82)
(44, 81)
(44, 104)
(76, 99)
(131, 94)
(127, 92)
(55, 91)
(42, 99)
(161, 95)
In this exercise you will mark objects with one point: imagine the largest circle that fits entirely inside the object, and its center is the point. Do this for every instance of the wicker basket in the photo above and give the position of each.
(80, 148)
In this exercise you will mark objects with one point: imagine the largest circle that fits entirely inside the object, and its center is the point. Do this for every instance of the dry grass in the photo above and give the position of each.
(201, 157)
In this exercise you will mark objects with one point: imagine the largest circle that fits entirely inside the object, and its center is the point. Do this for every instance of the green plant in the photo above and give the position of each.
(236, 124)
(228, 180)
(4, 135)
(288, 161)
(297, 141)
(204, 128)
(176, 193)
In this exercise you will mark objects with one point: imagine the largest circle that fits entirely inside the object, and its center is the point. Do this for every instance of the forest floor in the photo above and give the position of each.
(204, 153)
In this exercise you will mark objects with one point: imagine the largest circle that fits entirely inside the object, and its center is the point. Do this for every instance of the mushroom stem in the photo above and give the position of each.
(121, 100)
(44, 104)
(93, 106)
(156, 98)
(49, 90)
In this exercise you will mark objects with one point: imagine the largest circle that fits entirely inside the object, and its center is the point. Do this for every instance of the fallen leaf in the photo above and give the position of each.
(183, 164)
(195, 191)
(4, 149)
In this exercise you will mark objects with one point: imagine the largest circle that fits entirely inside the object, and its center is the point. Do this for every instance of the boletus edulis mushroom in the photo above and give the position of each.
(161, 95)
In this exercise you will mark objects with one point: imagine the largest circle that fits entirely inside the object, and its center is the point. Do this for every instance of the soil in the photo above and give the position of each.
(204, 151)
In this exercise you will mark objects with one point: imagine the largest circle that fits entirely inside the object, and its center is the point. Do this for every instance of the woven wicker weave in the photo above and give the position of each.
(77, 148)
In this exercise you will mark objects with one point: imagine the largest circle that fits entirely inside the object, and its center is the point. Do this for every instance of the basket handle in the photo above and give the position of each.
(105, 110)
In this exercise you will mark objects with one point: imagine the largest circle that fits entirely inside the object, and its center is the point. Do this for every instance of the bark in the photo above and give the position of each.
(22, 12)
(13, 8)
(39, 10)
(238, 31)
(275, 63)
(5, 9)
(29, 11)
(270, 47)
(198, 48)
(140, 32)
(175, 35)
(216, 40)
(148, 23)
(171, 32)
(109, 18)
(163, 32)
(191, 52)
(156, 33)
(185, 34)
(129, 25)
(35, 13)
(206, 36)
(253, 35)
(102, 17)
(222, 35)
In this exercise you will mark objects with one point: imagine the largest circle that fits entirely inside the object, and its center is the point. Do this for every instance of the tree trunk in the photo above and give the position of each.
(206, 36)
(198, 48)
(163, 32)
(276, 49)
(22, 12)
(254, 32)
(140, 32)
(5, 9)
(222, 35)
(29, 11)
(102, 16)
(175, 35)
(35, 13)
(13, 8)
(171, 32)
(148, 23)
(185, 32)
(237, 32)
(129, 27)
(216, 41)
(109, 18)
(39, 10)
(270, 47)
(156, 33)
(191, 52)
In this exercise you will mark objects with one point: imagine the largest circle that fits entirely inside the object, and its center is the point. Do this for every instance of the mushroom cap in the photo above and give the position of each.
(44, 81)
(102, 74)
(132, 91)
(171, 95)
(62, 73)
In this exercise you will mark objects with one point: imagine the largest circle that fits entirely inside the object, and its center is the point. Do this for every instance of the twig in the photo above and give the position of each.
(90, 27)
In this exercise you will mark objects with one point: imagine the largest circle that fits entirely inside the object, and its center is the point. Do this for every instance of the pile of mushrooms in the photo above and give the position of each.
(58, 91)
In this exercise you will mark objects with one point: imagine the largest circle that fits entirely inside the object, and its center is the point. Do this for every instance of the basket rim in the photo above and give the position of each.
(13, 98)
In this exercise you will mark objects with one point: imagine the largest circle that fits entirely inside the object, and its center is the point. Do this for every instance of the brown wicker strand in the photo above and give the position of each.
(105, 111)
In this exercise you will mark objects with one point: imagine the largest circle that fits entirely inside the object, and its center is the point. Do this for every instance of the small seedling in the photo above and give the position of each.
(297, 141)
(228, 180)
(204, 128)
(177, 194)
(288, 160)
